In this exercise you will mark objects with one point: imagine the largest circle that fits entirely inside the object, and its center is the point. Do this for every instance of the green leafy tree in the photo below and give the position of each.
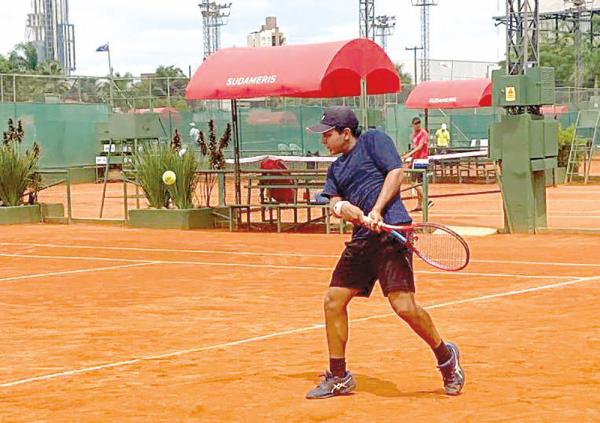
(23, 58)
(405, 77)
(49, 67)
(5, 66)
(560, 55)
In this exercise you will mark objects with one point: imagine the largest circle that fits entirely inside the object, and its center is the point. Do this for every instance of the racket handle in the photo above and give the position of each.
(367, 220)
(397, 235)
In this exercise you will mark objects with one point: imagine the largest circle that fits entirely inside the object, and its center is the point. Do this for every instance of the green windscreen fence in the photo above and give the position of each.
(270, 131)
(68, 137)
(66, 133)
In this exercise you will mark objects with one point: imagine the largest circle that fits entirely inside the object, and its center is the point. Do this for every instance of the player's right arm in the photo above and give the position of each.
(346, 210)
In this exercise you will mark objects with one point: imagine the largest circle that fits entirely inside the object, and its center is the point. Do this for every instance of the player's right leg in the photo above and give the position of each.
(353, 276)
(336, 381)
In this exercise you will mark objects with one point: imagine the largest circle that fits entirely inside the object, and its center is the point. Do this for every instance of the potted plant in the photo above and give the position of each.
(170, 206)
(18, 177)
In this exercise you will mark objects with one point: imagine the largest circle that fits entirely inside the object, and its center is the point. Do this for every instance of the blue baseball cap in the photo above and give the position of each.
(335, 116)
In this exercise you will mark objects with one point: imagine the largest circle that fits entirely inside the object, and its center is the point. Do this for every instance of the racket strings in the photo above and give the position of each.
(440, 248)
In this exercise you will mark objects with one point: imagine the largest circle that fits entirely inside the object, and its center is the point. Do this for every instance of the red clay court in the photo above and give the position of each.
(105, 323)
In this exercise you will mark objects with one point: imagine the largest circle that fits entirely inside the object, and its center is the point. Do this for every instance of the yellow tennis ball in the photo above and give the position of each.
(169, 177)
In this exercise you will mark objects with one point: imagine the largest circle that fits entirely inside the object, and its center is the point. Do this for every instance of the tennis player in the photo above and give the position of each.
(365, 180)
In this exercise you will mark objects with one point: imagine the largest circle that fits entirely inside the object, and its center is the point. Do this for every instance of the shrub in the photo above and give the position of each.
(565, 140)
(152, 161)
(17, 169)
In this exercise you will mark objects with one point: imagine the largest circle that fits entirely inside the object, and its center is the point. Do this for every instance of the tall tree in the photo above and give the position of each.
(49, 67)
(23, 58)
(5, 65)
(405, 77)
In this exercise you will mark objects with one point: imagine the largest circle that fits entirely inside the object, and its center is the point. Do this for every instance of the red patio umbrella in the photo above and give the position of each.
(456, 94)
(334, 69)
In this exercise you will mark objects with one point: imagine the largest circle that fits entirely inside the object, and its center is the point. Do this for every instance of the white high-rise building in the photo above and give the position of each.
(49, 30)
(268, 35)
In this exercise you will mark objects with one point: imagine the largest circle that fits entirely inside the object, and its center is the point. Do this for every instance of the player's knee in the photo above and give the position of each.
(404, 305)
(332, 304)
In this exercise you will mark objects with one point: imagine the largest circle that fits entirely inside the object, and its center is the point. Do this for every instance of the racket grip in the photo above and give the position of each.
(367, 220)
(397, 235)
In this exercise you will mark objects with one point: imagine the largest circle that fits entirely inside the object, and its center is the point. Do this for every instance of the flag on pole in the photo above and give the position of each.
(103, 48)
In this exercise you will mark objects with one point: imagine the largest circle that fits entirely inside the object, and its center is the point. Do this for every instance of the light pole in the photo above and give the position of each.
(414, 50)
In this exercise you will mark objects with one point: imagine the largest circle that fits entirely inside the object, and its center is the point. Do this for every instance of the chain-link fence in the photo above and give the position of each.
(124, 93)
(580, 98)
(129, 93)
(266, 125)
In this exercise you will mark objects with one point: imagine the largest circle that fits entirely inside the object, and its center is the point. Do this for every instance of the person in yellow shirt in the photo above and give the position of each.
(442, 137)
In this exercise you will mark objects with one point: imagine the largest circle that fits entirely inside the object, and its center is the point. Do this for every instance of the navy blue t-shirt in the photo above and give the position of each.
(358, 177)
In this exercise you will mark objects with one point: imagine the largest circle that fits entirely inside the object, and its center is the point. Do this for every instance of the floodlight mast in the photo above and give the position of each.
(214, 16)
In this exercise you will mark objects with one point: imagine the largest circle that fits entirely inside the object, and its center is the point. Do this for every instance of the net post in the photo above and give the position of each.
(425, 195)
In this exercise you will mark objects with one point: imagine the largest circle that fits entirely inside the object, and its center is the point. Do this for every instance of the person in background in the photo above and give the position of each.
(194, 134)
(442, 137)
(419, 157)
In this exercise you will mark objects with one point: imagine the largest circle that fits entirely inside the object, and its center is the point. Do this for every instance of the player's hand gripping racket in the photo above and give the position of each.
(435, 244)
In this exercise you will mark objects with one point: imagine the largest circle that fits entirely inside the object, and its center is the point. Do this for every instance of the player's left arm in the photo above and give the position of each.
(390, 189)
(386, 158)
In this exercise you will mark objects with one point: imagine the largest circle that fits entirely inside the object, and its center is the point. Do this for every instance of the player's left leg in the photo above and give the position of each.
(396, 277)
(447, 354)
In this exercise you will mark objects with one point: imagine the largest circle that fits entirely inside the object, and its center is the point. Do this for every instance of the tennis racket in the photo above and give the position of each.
(435, 244)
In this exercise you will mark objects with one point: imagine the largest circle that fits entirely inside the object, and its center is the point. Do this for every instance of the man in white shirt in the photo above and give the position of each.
(194, 134)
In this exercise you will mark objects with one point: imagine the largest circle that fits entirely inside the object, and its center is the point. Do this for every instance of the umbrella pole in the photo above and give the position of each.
(236, 152)
(364, 104)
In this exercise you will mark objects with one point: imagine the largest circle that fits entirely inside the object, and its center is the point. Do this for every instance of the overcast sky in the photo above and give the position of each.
(144, 34)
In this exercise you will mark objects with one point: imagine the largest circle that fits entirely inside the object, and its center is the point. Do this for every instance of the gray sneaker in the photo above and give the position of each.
(452, 373)
(331, 386)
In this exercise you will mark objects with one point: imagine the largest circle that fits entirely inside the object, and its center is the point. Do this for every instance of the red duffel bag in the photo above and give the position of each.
(281, 195)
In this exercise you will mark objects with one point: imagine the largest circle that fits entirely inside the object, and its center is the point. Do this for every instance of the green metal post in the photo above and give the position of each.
(69, 207)
(126, 212)
(302, 131)
(425, 195)
(169, 93)
(221, 176)
(137, 186)
(106, 169)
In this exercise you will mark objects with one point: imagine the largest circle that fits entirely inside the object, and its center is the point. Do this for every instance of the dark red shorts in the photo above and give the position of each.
(379, 257)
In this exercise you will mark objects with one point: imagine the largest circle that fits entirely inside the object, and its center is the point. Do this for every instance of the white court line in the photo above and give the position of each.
(550, 216)
(283, 333)
(574, 213)
(67, 272)
(542, 263)
(265, 254)
(275, 266)
(168, 250)
(77, 258)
